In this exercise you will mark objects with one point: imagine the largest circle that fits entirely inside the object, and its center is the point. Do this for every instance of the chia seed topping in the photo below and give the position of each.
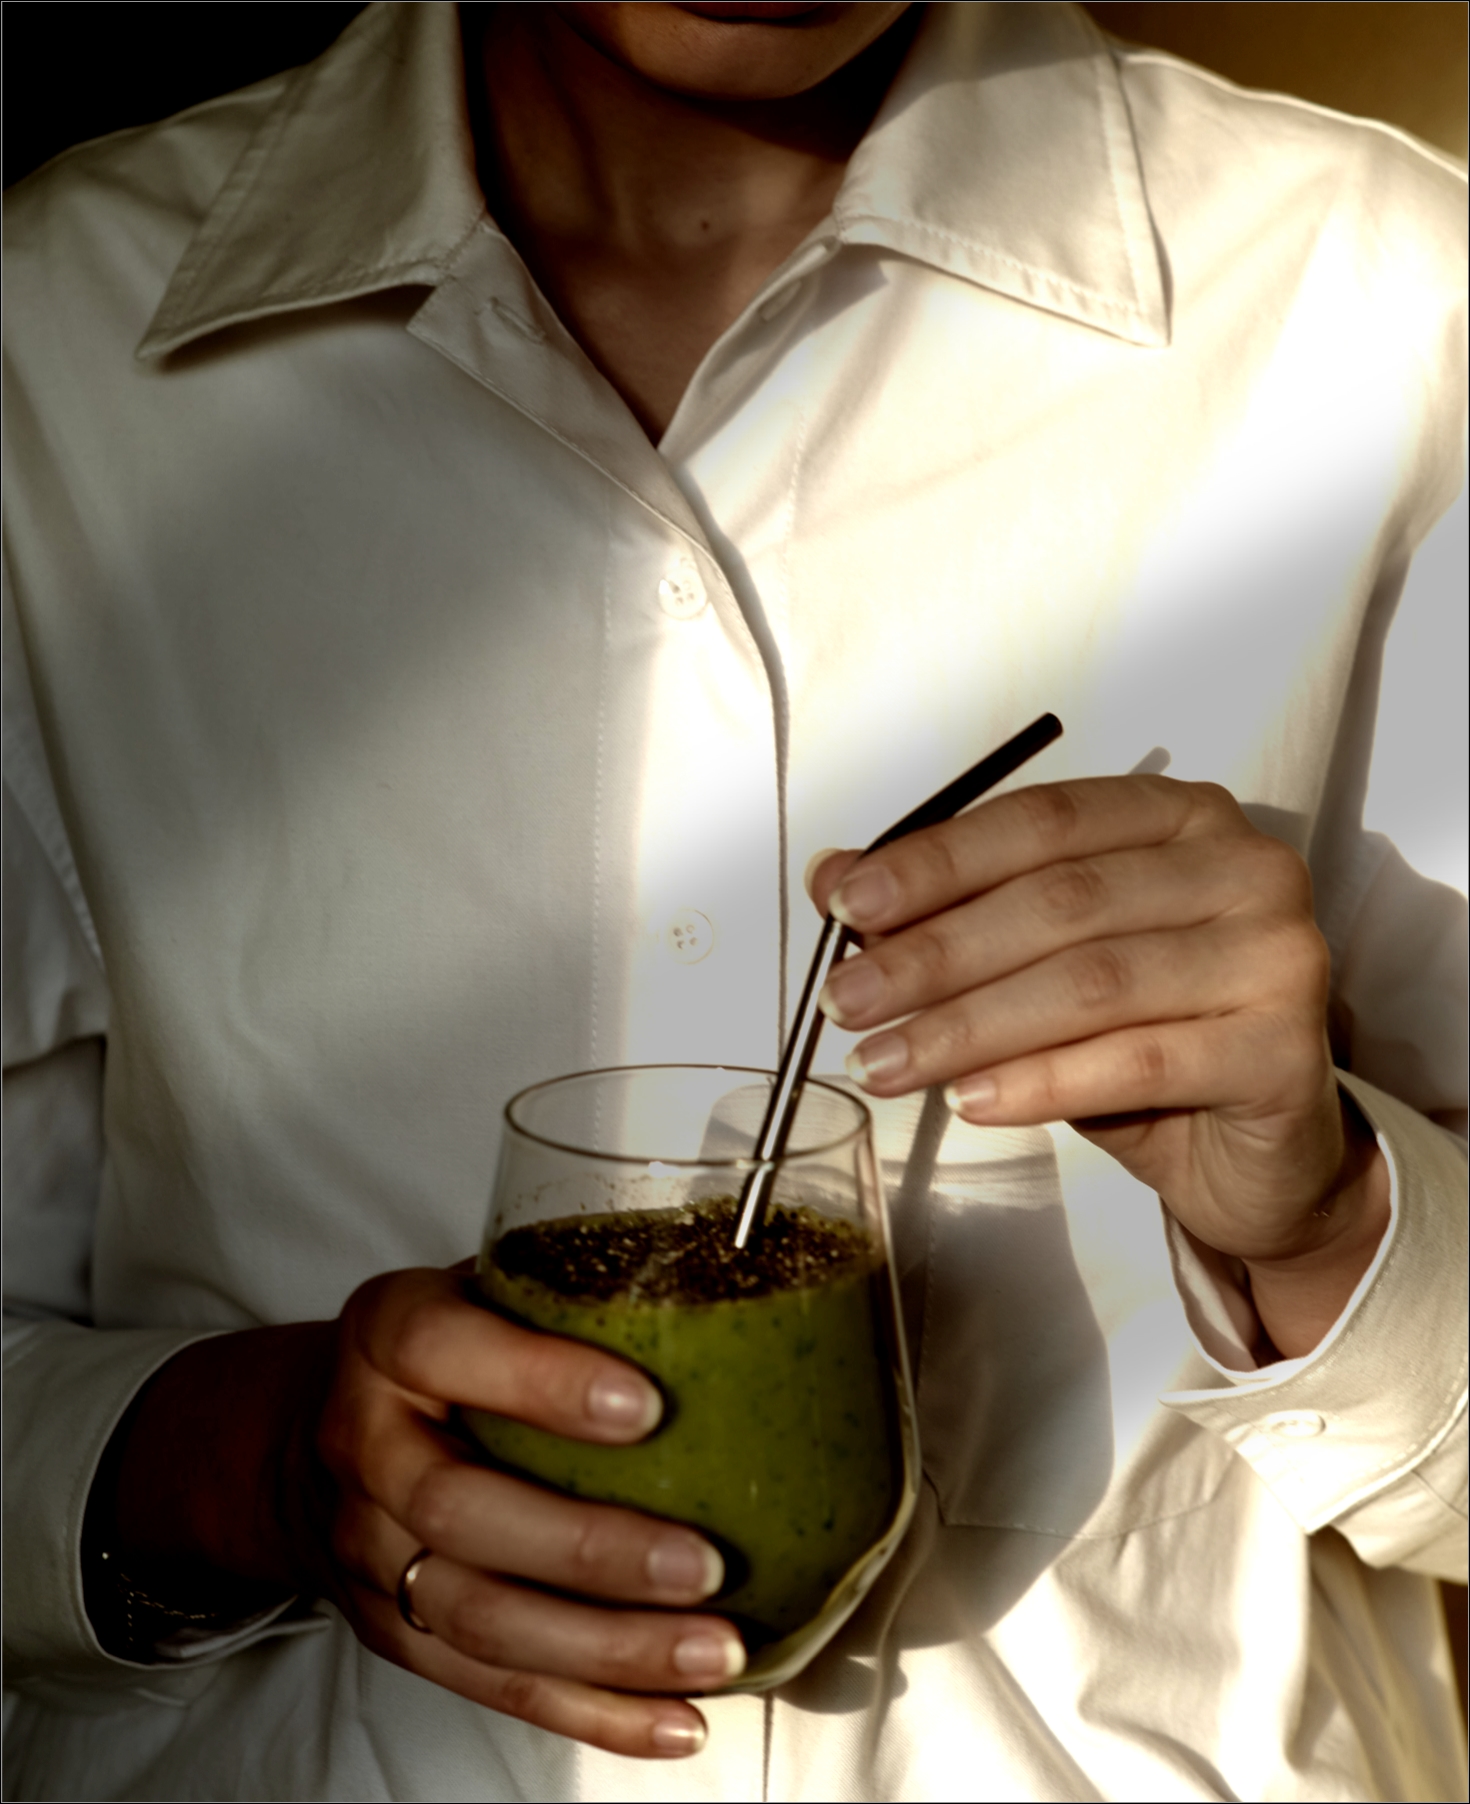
(683, 1255)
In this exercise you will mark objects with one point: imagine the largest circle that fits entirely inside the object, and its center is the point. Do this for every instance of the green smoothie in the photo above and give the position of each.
(779, 1438)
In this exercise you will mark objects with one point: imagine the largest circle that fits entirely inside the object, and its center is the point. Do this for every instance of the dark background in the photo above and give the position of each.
(76, 71)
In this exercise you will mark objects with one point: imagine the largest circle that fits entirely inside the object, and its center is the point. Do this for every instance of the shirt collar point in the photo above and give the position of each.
(1140, 318)
(1149, 328)
(369, 144)
(173, 327)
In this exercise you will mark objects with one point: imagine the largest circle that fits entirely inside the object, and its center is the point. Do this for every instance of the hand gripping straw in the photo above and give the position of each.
(801, 1044)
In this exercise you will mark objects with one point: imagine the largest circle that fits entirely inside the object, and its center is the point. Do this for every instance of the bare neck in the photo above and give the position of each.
(649, 219)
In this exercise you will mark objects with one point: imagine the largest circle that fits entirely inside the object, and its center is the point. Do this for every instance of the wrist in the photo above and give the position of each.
(217, 1472)
(1298, 1296)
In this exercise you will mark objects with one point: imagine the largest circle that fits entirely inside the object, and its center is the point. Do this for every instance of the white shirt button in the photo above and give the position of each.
(690, 936)
(1294, 1424)
(681, 594)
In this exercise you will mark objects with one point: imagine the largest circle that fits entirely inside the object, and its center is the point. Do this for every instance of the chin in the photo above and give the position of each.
(737, 51)
(774, 14)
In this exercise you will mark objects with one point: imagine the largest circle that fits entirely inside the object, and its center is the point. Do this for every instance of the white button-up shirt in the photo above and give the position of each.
(390, 725)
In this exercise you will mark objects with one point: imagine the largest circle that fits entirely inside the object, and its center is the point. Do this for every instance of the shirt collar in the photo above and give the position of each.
(1003, 154)
(360, 177)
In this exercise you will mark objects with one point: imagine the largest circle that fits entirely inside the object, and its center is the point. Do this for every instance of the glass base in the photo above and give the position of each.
(778, 1662)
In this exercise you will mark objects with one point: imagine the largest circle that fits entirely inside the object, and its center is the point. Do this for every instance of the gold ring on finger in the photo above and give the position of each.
(405, 1591)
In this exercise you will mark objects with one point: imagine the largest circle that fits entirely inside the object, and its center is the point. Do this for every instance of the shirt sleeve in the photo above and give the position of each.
(67, 1384)
(1367, 1433)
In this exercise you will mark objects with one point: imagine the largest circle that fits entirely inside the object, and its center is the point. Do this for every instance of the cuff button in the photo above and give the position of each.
(1294, 1424)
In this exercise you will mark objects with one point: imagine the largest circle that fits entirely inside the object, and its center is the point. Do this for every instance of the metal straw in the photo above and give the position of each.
(801, 1043)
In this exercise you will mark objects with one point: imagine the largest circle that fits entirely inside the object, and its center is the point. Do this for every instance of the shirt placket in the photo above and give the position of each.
(687, 903)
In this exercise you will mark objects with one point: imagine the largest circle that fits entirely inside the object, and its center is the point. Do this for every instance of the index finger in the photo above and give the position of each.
(1020, 832)
(428, 1337)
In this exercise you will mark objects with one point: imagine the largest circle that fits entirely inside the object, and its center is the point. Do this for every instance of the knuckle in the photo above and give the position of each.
(936, 856)
(1052, 812)
(1098, 975)
(1310, 957)
(1070, 892)
(338, 1444)
(1260, 862)
(433, 1507)
(926, 955)
(1271, 863)
(348, 1430)
(472, 1622)
(952, 1046)
(547, 1374)
(621, 1653)
(1148, 1064)
(588, 1549)
(1211, 808)
(1294, 953)
(522, 1694)
(1215, 799)
(418, 1344)
(1046, 1089)
(1299, 886)
(1285, 877)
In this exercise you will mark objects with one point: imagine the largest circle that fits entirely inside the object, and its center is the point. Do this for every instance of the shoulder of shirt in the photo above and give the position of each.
(175, 166)
(93, 237)
(1357, 155)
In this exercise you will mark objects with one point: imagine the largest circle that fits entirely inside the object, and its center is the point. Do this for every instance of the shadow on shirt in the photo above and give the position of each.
(1014, 1394)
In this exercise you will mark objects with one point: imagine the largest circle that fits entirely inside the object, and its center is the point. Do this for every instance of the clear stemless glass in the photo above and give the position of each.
(788, 1432)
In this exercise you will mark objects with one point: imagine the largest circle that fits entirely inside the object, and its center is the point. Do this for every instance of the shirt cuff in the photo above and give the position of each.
(66, 1389)
(1386, 1383)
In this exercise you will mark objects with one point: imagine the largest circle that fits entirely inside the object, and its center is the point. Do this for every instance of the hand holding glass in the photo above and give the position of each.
(787, 1437)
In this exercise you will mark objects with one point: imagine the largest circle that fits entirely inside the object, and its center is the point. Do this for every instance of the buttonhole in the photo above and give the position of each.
(517, 321)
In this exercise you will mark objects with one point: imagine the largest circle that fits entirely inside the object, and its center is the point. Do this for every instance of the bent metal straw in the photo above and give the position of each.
(835, 939)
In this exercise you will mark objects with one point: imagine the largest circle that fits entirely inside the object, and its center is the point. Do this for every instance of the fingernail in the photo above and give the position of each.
(673, 1737)
(816, 859)
(879, 1059)
(865, 897)
(686, 1566)
(971, 1095)
(627, 1402)
(852, 990)
(709, 1656)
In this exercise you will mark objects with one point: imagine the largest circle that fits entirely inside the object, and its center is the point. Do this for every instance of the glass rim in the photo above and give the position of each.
(863, 1124)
